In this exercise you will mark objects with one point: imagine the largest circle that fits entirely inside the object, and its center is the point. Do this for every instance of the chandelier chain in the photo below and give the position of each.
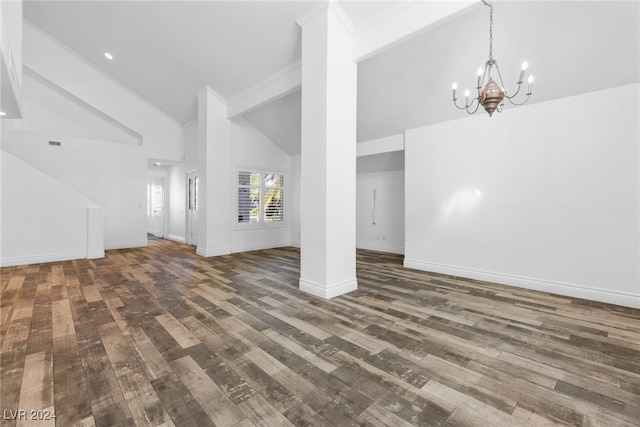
(490, 28)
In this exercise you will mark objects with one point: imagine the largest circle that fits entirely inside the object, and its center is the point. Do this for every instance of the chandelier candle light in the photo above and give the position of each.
(492, 96)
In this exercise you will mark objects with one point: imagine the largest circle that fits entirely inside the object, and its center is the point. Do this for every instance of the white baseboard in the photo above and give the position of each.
(126, 245)
(380, 247)
(259, 246)
(294, 243)
(95, 254)
(240, 248)
(209, 252)
(176, 238)
(329, 291)
(567, 289)
(42, 258)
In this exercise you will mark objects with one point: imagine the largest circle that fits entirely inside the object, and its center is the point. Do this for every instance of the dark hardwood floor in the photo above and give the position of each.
(159, 336)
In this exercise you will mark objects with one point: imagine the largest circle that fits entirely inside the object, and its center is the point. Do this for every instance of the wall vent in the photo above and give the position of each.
(55, 143)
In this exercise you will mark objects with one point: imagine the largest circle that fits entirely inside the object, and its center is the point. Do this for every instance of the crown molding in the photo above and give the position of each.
(211, 91)
(292, 68)
(309, 16)
(342, 17)
(334, 6)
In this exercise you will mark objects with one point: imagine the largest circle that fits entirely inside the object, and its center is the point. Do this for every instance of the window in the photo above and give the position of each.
(260, 197)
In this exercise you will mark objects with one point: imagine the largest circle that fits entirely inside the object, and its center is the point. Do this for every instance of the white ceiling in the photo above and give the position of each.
(165, 51)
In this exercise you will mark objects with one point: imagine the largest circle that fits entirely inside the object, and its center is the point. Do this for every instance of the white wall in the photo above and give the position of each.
(544, 196)
(177, 224)
(191, 147)
(176, 202)
(112, 175)
(11, 35)
(43, 220)
(251, 149)
(387, 234)
(294, 200)
(99, 158)
(11, 58)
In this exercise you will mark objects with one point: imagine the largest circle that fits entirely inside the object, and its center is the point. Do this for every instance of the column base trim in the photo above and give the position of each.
(330, 290)
(209, 252)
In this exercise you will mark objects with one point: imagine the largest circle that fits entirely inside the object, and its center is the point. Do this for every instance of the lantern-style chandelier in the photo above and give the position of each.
(492, 96)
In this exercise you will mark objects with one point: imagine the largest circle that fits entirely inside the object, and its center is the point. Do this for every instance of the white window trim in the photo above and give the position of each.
(260, 224)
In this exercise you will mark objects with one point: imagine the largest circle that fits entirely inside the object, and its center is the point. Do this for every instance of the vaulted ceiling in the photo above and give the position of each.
(165, 51)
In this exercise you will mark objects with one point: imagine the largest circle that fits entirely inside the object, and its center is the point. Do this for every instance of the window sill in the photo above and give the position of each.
(260, 226)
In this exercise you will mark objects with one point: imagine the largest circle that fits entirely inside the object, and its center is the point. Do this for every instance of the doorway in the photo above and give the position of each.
(155, 207)
(192, 208)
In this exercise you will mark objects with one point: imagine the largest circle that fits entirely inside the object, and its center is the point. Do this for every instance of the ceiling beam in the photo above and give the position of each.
(280, 84)
(387, 144)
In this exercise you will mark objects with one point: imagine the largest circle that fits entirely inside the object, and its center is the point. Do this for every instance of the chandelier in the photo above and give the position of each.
(492, 96)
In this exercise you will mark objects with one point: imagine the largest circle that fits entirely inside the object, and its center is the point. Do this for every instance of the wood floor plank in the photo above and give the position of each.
(72, 400)
(301, 351)
(178, 331)
(275, 393)
(302, 325)
(36, 392)
(107, 401)
(143, 403)
(184, 409)
(15, 283)
(395, 385)
(261, 412)
(150, 358)
(299, 387)
(302, 415)
(460, 417)
(379, 416)
(473, 406)
(205, 391)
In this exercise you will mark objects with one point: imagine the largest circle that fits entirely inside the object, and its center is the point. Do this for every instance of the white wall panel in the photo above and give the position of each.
(110, 174)
(251, 149)
(380, 222)
(43, 220)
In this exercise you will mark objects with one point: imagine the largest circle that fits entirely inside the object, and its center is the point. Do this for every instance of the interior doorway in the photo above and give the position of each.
(192, 208)
(155, 207)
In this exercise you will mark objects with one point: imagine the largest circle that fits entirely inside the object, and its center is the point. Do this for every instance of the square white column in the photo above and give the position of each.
(328, 175)
(214, 172)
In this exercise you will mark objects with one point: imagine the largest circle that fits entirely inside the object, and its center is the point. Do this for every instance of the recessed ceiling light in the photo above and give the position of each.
(108, 56)
(157, 164)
